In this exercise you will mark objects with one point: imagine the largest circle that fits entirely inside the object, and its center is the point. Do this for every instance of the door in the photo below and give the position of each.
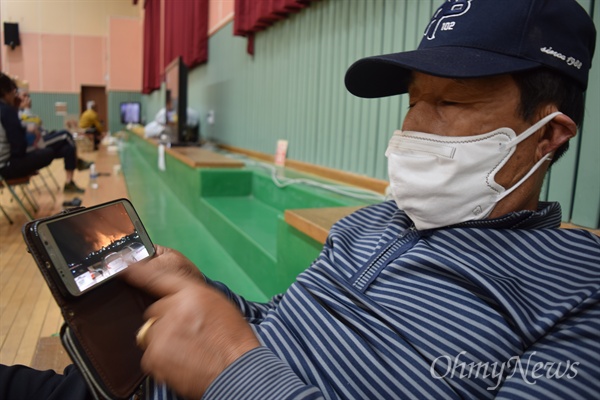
(98, 94)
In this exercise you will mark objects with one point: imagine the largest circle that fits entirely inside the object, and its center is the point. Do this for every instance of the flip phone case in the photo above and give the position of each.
(100, 326)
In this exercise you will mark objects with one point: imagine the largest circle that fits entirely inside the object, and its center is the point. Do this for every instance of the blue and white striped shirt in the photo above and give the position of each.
(504, 308)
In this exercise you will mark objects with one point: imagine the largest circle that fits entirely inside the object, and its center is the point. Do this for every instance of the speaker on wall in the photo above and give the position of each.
(11, 34)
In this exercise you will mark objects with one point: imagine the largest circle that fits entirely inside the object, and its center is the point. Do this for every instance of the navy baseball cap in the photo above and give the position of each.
(479, 38)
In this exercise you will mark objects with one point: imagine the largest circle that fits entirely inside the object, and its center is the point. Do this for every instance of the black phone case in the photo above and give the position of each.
(100, 325)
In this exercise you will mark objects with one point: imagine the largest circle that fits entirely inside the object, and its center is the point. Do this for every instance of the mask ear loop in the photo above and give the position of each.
(527, 175)
(534, 128)
(537, 165)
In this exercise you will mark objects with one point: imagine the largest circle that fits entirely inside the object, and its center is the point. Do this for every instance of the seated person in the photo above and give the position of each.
(90, 121)
(15, 161)
(38, 137)
(159, 126)
(461, 287)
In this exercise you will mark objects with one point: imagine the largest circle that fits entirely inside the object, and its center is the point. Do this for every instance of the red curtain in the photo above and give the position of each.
(152, 69)
(186, 31)
(251, 16)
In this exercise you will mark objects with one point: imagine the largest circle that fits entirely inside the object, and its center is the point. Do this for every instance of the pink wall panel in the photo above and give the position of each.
(218, 13)
(13, 61)
(214, 14)
(125, 48)
(23, 60)
(56, 66)
(30, 43)
(62, 63)
(89, 61)
(57, 63)
(227, 7)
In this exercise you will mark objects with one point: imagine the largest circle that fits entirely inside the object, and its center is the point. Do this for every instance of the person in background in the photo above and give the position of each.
(15, 160)
(38, 137)
(90, 121)
(463, 286)
(155, 128)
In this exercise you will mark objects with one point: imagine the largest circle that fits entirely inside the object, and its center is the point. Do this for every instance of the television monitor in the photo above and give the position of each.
(176, 79)
(131, 112)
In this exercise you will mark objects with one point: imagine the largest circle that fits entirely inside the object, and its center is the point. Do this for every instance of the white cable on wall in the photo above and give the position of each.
(281, 182)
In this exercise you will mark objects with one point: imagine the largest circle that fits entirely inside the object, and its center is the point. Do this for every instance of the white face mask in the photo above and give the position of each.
(441, 180)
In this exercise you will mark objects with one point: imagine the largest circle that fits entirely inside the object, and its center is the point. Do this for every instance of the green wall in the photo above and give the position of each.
(586, 176)
(293, 89)
(43, 105)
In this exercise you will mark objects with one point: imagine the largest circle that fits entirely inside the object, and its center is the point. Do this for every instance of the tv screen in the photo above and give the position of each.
(131, 112)
(176, 78)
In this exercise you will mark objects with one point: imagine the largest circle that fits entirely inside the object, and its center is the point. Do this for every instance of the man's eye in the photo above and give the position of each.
(448, 103)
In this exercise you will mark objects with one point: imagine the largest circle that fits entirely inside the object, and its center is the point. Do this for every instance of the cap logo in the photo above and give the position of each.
(570, 61)
(449, 10)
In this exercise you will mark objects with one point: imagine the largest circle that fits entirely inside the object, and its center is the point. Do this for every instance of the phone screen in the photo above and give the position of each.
(96, 244)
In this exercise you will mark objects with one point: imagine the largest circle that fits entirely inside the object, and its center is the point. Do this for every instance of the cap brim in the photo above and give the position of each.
(389, 74)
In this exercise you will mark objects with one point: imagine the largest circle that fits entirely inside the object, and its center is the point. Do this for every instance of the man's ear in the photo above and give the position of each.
(556, 133)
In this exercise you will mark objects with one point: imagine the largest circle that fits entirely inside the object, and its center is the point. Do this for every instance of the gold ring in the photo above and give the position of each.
(140, 338)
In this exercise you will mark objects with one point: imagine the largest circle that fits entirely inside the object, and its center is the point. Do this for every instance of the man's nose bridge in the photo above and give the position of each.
(419, 117)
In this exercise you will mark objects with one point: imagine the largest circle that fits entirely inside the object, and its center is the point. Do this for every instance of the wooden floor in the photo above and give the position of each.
(27, 310)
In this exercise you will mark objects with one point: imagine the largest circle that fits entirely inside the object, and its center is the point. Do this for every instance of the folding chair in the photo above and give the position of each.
(11, 185)
(39, 174)
(51, 175)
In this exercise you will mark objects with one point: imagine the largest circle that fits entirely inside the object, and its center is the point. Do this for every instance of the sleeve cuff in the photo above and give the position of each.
(260, 374)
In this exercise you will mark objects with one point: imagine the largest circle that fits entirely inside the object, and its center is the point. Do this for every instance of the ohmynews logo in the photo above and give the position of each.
(449, 367)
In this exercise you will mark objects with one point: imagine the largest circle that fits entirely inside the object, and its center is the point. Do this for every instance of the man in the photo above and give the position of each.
(90, 121)
(38, 137)
(15, 159)
(485, 299)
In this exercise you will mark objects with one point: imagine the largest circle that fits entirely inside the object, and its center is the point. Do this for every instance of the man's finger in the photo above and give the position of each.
(153, 279)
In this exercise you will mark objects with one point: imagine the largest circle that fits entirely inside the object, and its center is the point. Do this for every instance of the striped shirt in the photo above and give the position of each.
(502, 308)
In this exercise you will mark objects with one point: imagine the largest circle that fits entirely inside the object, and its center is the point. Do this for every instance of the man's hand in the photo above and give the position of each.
(198, 331)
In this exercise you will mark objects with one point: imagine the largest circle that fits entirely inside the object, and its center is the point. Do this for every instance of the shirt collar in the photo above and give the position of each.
(547, 216)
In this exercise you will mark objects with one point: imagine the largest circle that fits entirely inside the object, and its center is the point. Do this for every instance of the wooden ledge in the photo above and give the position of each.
(566, 225)
(316, 222)
(195, 157)
(348, 178)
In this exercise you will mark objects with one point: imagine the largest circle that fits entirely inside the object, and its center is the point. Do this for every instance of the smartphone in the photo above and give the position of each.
(90, 246)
